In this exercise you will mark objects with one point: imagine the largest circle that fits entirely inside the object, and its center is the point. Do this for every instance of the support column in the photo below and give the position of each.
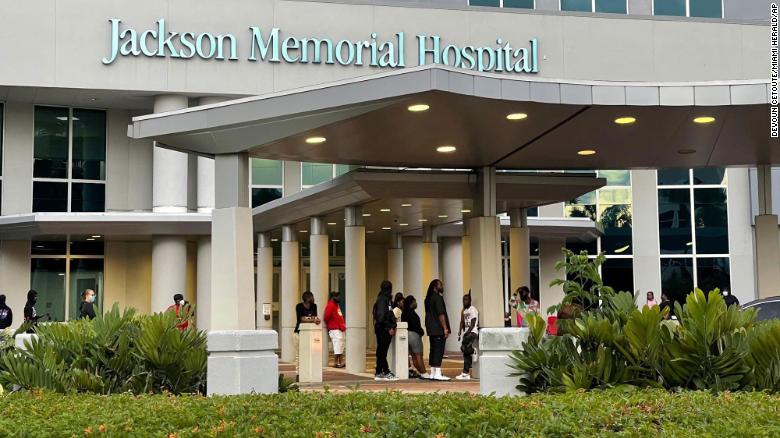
(430, 259)
(452, 275)
(549, 254)
(265, 281)
(205, 176)
(232, 282)
(290, 290)
(395, 261)
(203, 284)
(519, 249)
(767, 238)
(169, 195)
(355, 270)
(484, 230)
(318, 274)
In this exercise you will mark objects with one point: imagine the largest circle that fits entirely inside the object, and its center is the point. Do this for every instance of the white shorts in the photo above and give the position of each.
(337, 339)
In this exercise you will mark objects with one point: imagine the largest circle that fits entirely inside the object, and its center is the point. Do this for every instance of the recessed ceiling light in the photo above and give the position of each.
(90, 238)
(96, 236)
(315, 140)
(370, 231)
(403, 224)
(459, 223)
(704, 119)
(689, 244)
(331, 223)
(303, 231)
(686, 151)
(586, 152)
(62, 118)
(40, 246)
(274, 240)
(93, 99)
(418, 107)
(627, 120)
(442, 216)
(61, 274)
(446, 149)
(465, 210)
(422, 220)
(335, 240)
(406, 205)
(384, 210)
(366, 214)
(385, 228)
(516, 116)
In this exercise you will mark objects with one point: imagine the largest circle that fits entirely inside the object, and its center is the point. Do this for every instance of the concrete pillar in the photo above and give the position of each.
(15, 275)
(550, 254)
(452, 275)
(205, 169)
(484, 230)
(395, 261)
(519, 249)
(398, 355)
(232, 274)
(265, 281)
(169, 195)
(203, 282)
(290, 290)
(645, 240)
(318, 274)
(741, 247)
(169, 270)
(355, 270)
(430, 259)
(310, 353)
(767, 238)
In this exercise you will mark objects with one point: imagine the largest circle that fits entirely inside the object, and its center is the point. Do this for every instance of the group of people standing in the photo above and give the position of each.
(30, 314)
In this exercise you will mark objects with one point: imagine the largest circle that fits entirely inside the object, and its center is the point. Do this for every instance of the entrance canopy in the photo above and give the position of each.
(504, 121)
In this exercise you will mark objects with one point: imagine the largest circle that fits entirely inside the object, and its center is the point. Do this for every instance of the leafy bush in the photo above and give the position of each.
(115, 352)
(612, 343)
(392, 414)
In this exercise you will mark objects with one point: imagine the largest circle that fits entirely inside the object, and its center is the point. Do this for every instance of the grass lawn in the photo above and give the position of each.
(630, 413)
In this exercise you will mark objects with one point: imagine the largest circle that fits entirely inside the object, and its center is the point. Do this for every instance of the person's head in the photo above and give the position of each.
(435, 286)
(525, 293)
(2, 300)
(398, 300)
(307, 298)
(467, 300)
(664, 296)
(650, 296)
(88, 295)
(386, 288)
(32, 296)
(334, 296)
(410, 303)
(726, 293)
(178, 299)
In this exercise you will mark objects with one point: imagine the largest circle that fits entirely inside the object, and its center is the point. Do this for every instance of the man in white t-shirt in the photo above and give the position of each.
(469, 326)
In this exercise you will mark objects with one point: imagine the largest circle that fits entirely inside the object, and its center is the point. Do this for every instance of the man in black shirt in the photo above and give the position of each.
(6, 315)
(384, 329)
(437, 324)
(305, 312)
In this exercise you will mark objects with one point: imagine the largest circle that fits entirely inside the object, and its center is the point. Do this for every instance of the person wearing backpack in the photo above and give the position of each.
(384, 329)
(6, 314)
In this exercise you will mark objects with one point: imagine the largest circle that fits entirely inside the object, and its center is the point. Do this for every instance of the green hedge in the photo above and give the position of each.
(632, 413)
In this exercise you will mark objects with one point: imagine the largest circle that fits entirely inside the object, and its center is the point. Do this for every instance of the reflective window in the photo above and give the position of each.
(712, 273)
(669, 7)
(261, 196)
(619, 274)
(266, 172)
(85, 274)
(315, 173)
(577, 5)
(524, 4)
(616, 177)
(677, 278)
(50, 145)
(88, 197)
(535, 278)
(712, 232)
(341, 169)
(706, 8)
(1, 152)
(495, 3)
(674, 221)
(709, 175)
(89, 145)
(48, 247)
(611, 6)
(47, 277)
(673, 177)
(50, 196)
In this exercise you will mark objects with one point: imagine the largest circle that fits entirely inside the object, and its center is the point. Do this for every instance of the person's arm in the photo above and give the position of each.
(328, 315)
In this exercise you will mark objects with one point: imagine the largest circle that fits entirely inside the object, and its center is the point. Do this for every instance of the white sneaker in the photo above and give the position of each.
(390, 376)
(426, 376)
(441, 377)
(380, 377)
(463, 376)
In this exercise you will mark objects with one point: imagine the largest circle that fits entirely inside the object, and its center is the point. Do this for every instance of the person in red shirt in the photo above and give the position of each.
(182, 311)
(334, 321)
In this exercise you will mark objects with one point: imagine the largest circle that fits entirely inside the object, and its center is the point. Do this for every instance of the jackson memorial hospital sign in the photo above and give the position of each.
(274, 46)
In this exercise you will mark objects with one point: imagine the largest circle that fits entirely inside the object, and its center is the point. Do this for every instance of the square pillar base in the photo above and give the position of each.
(310, 353)
(496, 345)
(242, 362)
(398, 356)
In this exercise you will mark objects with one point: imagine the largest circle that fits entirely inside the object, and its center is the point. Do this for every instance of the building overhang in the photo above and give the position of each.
(404, 200)
(366, 122)
(112, 225)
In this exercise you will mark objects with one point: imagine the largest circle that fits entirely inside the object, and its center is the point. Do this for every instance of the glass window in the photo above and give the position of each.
(87, 247)
(619, 274)
(88, 197)
(614, 195)
(495, 3)
(611, 6)
(48, 247)
(577, 247)
(51, 142)
(674, 221)
(261, 196)
(47, 277)
(533, 212)
(712, 232)
(89, 144)
(673, 177)
(50, 196)
(1, 139)
(677, 278)
(712, 273)
(616, 177)
(669, 7)
(85, 274)
(524, 4)
(315, 173)
(341, 169)
(534, 279)
(616, 222)
(706, 8)
(266, 172)
(576, 5)
(709, 175)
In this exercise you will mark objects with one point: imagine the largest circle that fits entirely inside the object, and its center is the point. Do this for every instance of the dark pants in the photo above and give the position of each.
(383, 339)
(437, 351)
(467, 347)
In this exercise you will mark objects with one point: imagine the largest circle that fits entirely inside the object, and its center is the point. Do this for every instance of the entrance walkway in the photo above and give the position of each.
(338, 380)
